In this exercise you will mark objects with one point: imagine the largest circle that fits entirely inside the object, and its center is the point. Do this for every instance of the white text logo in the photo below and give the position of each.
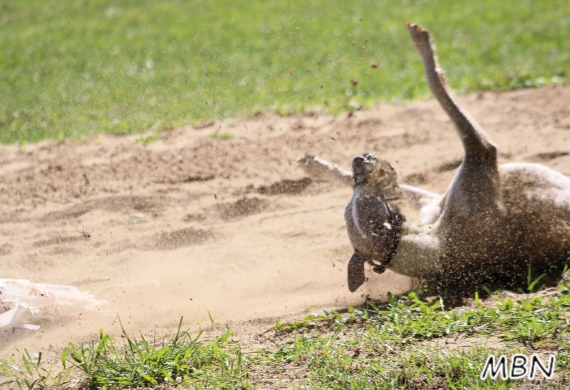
(521, 366)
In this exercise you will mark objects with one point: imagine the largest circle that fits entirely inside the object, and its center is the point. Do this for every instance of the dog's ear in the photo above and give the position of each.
(356, 271)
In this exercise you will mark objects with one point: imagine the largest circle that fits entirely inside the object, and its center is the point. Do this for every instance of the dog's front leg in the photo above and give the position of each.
(318, 168)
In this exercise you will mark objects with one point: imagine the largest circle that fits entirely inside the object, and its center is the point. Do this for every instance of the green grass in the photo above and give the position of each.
(390, 348)
(364, 348)
(70, 69)
(109, 363)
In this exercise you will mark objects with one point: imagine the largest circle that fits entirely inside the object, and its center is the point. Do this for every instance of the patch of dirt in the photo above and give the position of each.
(112, 204)
(547, 156)
(241, 207)
(448, 166)
(288, 187)
(197, 217)
(56, 240)
(193, 226)
(176, 239)
(6, 249)
(453, 343)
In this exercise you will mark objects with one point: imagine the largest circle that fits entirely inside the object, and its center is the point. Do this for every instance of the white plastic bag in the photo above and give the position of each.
(22, 301)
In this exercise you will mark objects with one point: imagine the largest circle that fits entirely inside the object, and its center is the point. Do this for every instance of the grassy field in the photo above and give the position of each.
(70, 69)
(393, 347)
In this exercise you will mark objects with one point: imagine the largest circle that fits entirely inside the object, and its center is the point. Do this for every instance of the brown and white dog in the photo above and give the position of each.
(489, 227)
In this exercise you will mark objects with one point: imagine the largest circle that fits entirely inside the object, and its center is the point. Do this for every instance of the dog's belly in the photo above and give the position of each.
(535, 228)
(537, 200)
(544, 189)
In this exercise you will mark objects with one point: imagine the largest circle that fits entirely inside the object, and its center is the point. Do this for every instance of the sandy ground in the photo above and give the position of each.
(193, 223)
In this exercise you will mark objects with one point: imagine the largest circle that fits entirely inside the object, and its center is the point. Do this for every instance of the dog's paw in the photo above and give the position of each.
(306, 159)
(314, 166)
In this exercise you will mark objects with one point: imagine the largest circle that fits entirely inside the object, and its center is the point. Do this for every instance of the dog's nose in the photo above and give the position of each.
(358, 160)
(359, 170)
(358, 164)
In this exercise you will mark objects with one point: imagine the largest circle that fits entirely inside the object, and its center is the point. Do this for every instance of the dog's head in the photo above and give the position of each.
(373, 224)
(375, 175)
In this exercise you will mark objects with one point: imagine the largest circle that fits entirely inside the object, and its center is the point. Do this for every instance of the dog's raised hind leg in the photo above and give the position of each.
(475, 188)
(474, 139)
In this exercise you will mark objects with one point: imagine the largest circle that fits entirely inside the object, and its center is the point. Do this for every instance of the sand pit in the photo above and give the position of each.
(194, 223)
